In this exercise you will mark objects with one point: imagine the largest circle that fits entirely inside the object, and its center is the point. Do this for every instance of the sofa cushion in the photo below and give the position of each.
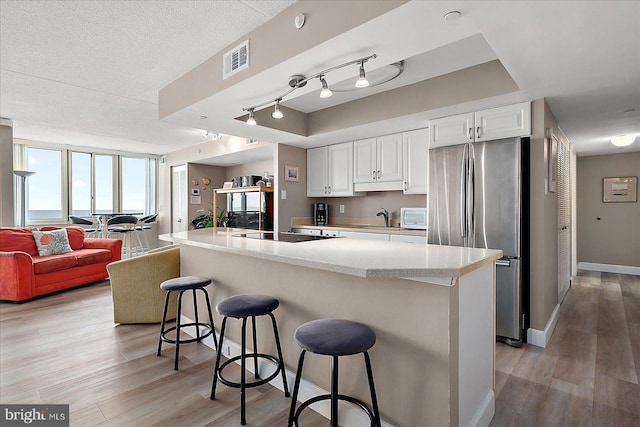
(17, 240)
(92, 256)
(54, 242)
(48, 264)
(74, 233)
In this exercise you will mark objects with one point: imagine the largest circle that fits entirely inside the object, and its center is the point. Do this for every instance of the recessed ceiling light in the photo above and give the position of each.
(623, 140)
(452, 16)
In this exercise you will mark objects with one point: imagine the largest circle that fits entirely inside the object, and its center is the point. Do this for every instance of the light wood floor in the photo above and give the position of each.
(64, 348)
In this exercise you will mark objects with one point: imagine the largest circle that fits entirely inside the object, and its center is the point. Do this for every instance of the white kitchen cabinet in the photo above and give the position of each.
(485, 125)
(408, 239)
(330, 171)
(365, 236)
(378, 163)
(415, 153)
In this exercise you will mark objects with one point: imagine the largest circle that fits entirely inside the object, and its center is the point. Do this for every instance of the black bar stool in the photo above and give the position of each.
(335, 338)
(243, 307)
(183, 284)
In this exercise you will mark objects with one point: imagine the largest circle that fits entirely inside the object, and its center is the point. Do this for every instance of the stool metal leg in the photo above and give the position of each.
(175, 364)
(334, 391)
(164, 320)
(372, 388)
(280, 358)
(255, 349)
(296, 387)
(243, 363)
(218, 355)
(195, 310)
(206, 294)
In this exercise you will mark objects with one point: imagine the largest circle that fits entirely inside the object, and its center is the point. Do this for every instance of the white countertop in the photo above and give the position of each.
(356, 257)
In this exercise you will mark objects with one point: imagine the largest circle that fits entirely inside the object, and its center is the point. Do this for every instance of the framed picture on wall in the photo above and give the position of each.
(291, 173)
(620, 189)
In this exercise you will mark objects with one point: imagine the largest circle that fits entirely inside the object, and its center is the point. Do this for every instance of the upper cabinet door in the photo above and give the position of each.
(451, 130)
(389, 158)
(341, 169)
(415, 151)
(503, 122)
(364, 160)
(317, 168)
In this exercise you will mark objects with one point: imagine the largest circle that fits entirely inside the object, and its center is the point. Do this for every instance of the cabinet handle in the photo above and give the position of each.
(329, 189)
(405, 186)
(469, 134)
(373, 175)
(478, 132)
(378, 174)
(325, 189)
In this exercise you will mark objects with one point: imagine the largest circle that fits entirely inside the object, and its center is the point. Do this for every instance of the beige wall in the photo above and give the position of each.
(217, 176)
(296, 204)
(6, 176)
(608, 233)
(543, 222)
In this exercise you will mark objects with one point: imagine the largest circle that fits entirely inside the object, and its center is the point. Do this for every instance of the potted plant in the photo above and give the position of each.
(206, 218)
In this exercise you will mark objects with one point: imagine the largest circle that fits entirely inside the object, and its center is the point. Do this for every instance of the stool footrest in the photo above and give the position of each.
(257, 383)
(349, 399)
(164, 338)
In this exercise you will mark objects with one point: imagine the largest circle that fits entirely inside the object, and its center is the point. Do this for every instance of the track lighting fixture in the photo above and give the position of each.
(325, 92)
(277, 113)
(251, 121)
(362, 80)
(299, 81)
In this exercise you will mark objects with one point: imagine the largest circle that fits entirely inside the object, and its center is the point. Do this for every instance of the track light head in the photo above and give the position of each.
(362, 80)
(325, 92)
(277, 112)
(251, 121)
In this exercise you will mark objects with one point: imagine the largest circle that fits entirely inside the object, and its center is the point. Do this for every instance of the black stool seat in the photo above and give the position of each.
(335, 337)
(185, 283)
(240, 306)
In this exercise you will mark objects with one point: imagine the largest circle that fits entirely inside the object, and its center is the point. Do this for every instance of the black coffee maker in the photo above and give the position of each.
(320, 214)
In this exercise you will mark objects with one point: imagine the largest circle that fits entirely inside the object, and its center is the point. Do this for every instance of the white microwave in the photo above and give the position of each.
(414, 218)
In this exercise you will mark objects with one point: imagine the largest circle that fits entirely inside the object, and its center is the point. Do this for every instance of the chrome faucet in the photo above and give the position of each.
(385, 214)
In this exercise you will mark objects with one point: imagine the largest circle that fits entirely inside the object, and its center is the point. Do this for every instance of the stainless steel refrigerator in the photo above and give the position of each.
(475, 199)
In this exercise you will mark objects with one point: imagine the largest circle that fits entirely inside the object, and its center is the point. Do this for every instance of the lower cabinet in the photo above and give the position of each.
(408, 239)
(365, 236)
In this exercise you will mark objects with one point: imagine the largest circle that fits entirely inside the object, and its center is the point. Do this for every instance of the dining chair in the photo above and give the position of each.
(145, 224)
(90, 231)
(124, 226)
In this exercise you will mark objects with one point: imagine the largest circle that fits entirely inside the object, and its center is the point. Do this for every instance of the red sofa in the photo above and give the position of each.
(25, 275)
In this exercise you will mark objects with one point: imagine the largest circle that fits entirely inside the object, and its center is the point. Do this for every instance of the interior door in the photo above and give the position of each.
(564, 220)
(179, 220)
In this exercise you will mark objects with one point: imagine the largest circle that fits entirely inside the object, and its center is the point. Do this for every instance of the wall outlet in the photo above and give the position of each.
(341, 208)
(226, 349)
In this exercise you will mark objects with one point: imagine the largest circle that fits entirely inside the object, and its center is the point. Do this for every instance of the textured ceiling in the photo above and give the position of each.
(88, 73)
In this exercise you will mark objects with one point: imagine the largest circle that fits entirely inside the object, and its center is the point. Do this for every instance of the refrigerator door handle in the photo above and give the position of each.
(470, 197)
(503, 263)
(463, 193)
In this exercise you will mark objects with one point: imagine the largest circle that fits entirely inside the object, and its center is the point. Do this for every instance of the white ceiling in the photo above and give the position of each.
(88, 73)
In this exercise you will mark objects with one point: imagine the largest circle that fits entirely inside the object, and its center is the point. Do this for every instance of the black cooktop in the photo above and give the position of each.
(282, 237)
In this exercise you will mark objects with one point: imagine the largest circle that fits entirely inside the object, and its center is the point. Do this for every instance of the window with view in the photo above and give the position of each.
(81, 184)
(44, 189)
(134, 188)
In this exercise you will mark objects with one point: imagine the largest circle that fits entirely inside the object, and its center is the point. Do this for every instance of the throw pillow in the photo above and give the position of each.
(53, 242)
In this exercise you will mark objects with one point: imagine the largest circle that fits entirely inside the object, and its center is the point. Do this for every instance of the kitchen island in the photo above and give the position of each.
(432, 308)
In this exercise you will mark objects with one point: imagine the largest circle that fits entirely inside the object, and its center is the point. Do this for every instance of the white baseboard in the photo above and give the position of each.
(609, 268)
(349, 415)
(486, 411)
(541, 338)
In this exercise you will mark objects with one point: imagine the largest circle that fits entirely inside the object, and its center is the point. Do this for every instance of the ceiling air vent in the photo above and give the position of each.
(235, 60)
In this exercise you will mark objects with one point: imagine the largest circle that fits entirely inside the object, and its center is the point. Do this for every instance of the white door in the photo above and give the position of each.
(341, 169)
(390, 158)
(564, 220)
(179, 220)
(503, 122)
(317, 167)
(415, 151)
(364, 160)
(451, 130)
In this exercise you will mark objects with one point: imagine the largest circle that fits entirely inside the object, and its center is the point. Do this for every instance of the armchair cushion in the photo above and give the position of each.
(135, 286)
